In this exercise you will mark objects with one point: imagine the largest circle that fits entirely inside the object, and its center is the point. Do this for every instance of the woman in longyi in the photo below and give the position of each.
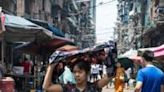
(119, 78)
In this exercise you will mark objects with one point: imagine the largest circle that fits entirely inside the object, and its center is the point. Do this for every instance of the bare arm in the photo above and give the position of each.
(162, 88)
(48, 85)
(104, 81)
(138, 87)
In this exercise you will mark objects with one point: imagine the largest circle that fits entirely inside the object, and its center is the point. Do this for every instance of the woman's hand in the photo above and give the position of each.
(52, 65)
(52, 74)
(58, 68)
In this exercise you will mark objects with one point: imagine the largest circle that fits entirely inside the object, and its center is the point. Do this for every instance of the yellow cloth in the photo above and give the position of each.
(119, 80)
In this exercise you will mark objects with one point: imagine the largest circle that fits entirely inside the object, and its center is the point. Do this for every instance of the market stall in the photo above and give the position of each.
(22, 37)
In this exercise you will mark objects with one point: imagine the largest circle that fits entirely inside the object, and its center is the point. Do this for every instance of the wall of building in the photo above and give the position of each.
(143, 24)
(75, 19)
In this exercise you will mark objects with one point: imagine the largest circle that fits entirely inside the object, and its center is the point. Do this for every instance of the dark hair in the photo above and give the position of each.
(148, 55)
(82, 64)
(120, 64)
(25, 58)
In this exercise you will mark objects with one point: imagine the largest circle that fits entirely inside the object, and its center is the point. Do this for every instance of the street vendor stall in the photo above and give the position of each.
(18, 30)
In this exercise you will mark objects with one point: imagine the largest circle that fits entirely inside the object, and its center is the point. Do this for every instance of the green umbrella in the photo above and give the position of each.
(126, 62)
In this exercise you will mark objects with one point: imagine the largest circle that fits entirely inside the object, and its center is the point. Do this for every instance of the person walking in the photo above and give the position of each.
(101, 70)
(80, 69)
(150, 78)
(95, 71)
(162, 87)
(128, 75)
(27, 65)
(119, 78)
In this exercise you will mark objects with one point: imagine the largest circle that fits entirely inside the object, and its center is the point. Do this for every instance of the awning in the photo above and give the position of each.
(129, 54)
(158, 51)
(20, 29)
(68, 48)
(48, 26)
(47, 47)
(132, 54)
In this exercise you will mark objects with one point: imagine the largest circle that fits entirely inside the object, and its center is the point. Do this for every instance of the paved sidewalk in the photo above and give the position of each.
(112, 90)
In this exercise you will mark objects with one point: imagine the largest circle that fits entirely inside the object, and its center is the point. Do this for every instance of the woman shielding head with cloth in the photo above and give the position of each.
(80, 69)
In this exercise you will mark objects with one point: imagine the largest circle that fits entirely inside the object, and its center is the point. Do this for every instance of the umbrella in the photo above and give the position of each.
(126, 62)
(129, 54)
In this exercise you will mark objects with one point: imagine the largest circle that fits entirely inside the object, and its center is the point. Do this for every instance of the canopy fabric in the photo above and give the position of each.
(158, 51)
(20, 29)
(16, 21)
(129, 54)
(46, 47)
(55, 30)
(152, 48)
(48, 26)
(132, 54)
(136, 59)
(68, 48)
(14, 34)
(72, 55)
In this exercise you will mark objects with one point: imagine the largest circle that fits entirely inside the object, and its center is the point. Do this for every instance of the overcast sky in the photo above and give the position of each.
(106, 15)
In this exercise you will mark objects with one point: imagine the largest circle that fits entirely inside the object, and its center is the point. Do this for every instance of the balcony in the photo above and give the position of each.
(161, 3)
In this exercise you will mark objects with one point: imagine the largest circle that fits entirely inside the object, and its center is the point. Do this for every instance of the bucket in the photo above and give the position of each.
(7, 84)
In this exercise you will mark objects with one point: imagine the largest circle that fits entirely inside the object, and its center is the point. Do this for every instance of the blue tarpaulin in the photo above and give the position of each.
(48, 26)
(55, 30)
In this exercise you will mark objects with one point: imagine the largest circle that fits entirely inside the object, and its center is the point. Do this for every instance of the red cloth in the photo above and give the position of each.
(26, 65)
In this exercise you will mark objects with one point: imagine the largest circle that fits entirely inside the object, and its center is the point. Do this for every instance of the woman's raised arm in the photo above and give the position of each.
(47, 84)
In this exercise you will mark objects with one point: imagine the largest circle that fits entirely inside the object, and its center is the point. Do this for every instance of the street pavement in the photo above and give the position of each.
(112, 90)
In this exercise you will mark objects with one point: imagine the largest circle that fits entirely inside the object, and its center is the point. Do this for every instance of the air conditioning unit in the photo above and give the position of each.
(160, 14)
(160, 10)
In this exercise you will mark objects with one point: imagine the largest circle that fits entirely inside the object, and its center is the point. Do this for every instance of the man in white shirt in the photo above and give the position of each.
(95, 71)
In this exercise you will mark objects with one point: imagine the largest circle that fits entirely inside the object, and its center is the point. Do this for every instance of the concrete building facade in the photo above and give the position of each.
(136, 20)
(75, 18)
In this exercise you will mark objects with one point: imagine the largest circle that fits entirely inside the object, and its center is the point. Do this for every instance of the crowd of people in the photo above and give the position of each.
(92, 77)
(91, 74)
